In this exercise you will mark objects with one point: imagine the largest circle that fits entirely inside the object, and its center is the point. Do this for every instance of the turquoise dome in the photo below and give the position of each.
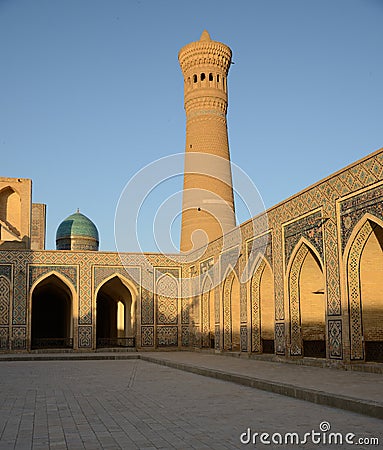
(77, 225)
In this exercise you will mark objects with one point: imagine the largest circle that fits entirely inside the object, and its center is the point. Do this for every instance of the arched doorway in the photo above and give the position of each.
(365, 292)
(262, 309)
(231, 313)
(10, 214)
(307, 304)
(114, 315)
(207, 314)
(52, 321)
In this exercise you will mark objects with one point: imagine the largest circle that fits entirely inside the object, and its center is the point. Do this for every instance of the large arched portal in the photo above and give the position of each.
(307, 304)
(365, 287)
(52, 323)
(115, 318)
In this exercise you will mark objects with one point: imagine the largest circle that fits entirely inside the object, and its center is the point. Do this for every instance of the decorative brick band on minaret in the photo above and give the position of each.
(208, 202)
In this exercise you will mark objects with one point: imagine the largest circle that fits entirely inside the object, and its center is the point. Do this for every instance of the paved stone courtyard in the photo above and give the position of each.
(134, 404)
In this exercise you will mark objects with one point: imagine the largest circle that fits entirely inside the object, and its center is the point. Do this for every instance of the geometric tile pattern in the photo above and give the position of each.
(217, 337)
(354, 208)
(103, 272)
(69, 272)
(185, 342)
(147, 307)
(167, 336)
(243, 338)
(227, 326)
(19, 338)
(255, 307)
(353, 285)
(167, 301)
(147, 336)
(6, 270)
(205, 310)
(4, 338)
(335, 338)
(5, 300)
(280, 338)
(260, 245)
(185, 310)
(85, 337)
(309, 227)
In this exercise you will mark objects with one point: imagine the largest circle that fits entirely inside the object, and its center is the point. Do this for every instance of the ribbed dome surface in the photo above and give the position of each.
(77, 225)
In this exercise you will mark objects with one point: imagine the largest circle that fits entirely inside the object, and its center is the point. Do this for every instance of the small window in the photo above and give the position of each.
(210, 77)
(217, 78)
(195, 78)
(202, 76)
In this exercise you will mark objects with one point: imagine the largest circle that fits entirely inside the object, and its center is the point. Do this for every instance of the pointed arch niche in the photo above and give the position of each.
(207, 313)
(262, 308)
(10, 213)
(231, 312)
(52, 299)
(115, 313)
(364, 275)
(306, 285)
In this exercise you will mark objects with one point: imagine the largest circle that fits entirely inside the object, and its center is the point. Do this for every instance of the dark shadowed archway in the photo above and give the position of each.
(52, 324)
(115, 319)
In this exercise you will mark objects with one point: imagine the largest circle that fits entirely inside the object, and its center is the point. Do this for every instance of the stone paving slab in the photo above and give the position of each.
(133, 404)
(353, 391)
(360, 392)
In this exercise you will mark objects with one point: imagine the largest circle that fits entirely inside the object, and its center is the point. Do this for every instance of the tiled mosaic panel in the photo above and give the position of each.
(227, 326)
(309, 227)
(243, 338)
(206, 298)
(353, 209)
(185, 311)
(335, 338)
(280, 338)
(102, 273)
(332, 269)
(5, 300)
(255, 308)
(147, 307)
(147, 336)
(37, 271)
(261, 245)
(185, 337)
(85, 337)
(19, 338)
(353, 284)
(6, 271)
(207, 265)
(174, 272)
(167, 300)
(217, 337)
(4, 338)
(167, 336)
(229, 259)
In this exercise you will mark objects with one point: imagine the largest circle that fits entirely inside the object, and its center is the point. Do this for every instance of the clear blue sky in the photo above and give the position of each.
(91, 92)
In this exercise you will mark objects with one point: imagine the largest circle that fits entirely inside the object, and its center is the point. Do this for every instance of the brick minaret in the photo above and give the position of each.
(208, 203)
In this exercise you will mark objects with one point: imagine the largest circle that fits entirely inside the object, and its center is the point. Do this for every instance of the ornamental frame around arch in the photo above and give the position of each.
(167, 305)
(259, 267)
(5, 300)
(206, 298)
(14, 191)
(133, 292)
(227, 307)
(351, 260)
(294, 268)
(74, 306)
